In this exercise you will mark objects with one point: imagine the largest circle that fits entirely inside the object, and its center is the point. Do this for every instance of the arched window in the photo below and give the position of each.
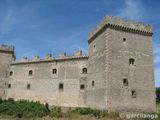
(11, 73)
(93, 83)
(54, 71)
(131, 61)
(30, 73)
(84, 70)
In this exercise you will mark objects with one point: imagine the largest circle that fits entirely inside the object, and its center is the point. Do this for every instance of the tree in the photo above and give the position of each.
(158, 94)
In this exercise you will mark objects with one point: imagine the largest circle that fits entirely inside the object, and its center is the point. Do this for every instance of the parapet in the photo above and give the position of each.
(35, 57)
(120, 23)
(63, 54)
(78, 53)
(24, 58)
(49, 58)
(6, 48)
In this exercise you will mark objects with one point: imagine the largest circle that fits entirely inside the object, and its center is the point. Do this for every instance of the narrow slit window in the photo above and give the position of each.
(131, 61)
(61, 87)
(30, 73)
(84, 70)
(28, 86)
(54, 71)
(93, 83)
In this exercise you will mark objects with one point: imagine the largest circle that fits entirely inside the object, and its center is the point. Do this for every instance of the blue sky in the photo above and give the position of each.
(38, 27)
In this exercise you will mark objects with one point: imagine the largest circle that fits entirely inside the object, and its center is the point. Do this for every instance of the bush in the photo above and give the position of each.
(23, 108)
(56, 112)
(91, 112)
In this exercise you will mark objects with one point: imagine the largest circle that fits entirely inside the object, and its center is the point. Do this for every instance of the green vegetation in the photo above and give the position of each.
(26, 110)
(23, 108)
(158, 94)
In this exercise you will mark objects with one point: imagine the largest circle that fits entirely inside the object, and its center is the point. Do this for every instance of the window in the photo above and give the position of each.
(30, 73)
(82, 87)
(9, 85)
(133, 93)
(94, 46)
(131, 61)
(92, 83)
(28, 86)
(11, 73)
(61, 86)
(54, 71)
(125, 82)
(124, 39)
(84, 70)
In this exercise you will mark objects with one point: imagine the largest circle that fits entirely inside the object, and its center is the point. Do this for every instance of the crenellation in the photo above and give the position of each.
(109, 21)
(120, 21)
(48, 56)
(63, 54)
(35, 57)
(7, 48)
(3, 46)
(24, 58)
(78, 53)
(130, 23)
(120, 52)
(149, 28)
(11, 48)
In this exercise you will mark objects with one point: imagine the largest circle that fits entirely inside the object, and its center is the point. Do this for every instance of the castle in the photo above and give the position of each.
(117, 74)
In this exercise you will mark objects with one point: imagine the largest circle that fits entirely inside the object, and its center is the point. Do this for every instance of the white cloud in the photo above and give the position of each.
(133, 10)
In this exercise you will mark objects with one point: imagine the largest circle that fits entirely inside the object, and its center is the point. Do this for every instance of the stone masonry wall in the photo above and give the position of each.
(44, 85)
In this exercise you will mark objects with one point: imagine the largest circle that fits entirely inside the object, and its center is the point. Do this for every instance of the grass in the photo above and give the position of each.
(25, 110)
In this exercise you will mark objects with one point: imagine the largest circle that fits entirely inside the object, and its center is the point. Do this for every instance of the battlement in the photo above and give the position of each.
(49, 58)
(5, 48)
(120, 23)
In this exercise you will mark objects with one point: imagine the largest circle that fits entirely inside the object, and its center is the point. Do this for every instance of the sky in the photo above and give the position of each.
(39, 27)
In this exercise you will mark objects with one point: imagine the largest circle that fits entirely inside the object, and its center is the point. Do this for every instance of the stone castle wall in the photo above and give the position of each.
(118, 72)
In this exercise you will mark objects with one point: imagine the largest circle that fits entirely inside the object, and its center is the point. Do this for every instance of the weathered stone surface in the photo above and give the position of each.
(58, 80)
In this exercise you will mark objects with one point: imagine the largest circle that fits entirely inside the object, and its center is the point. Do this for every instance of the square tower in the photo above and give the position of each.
(121, 68)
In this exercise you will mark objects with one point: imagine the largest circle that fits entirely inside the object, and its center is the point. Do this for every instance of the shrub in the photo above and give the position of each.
(23, 108)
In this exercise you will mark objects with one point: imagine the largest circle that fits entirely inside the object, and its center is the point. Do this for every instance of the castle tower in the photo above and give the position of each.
(6, 56)
(121, 68)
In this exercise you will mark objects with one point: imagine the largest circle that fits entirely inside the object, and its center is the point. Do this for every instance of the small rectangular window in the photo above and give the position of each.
(125, 82)
(9, 85)
(133, 93)
(61, 86)
(11, 73)
(131, 61)
(30, 72)
(54, 71)
(28, 86)
(82, 87)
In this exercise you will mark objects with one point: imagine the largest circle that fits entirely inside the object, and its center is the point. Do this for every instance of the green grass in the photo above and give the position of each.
(25, 110)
